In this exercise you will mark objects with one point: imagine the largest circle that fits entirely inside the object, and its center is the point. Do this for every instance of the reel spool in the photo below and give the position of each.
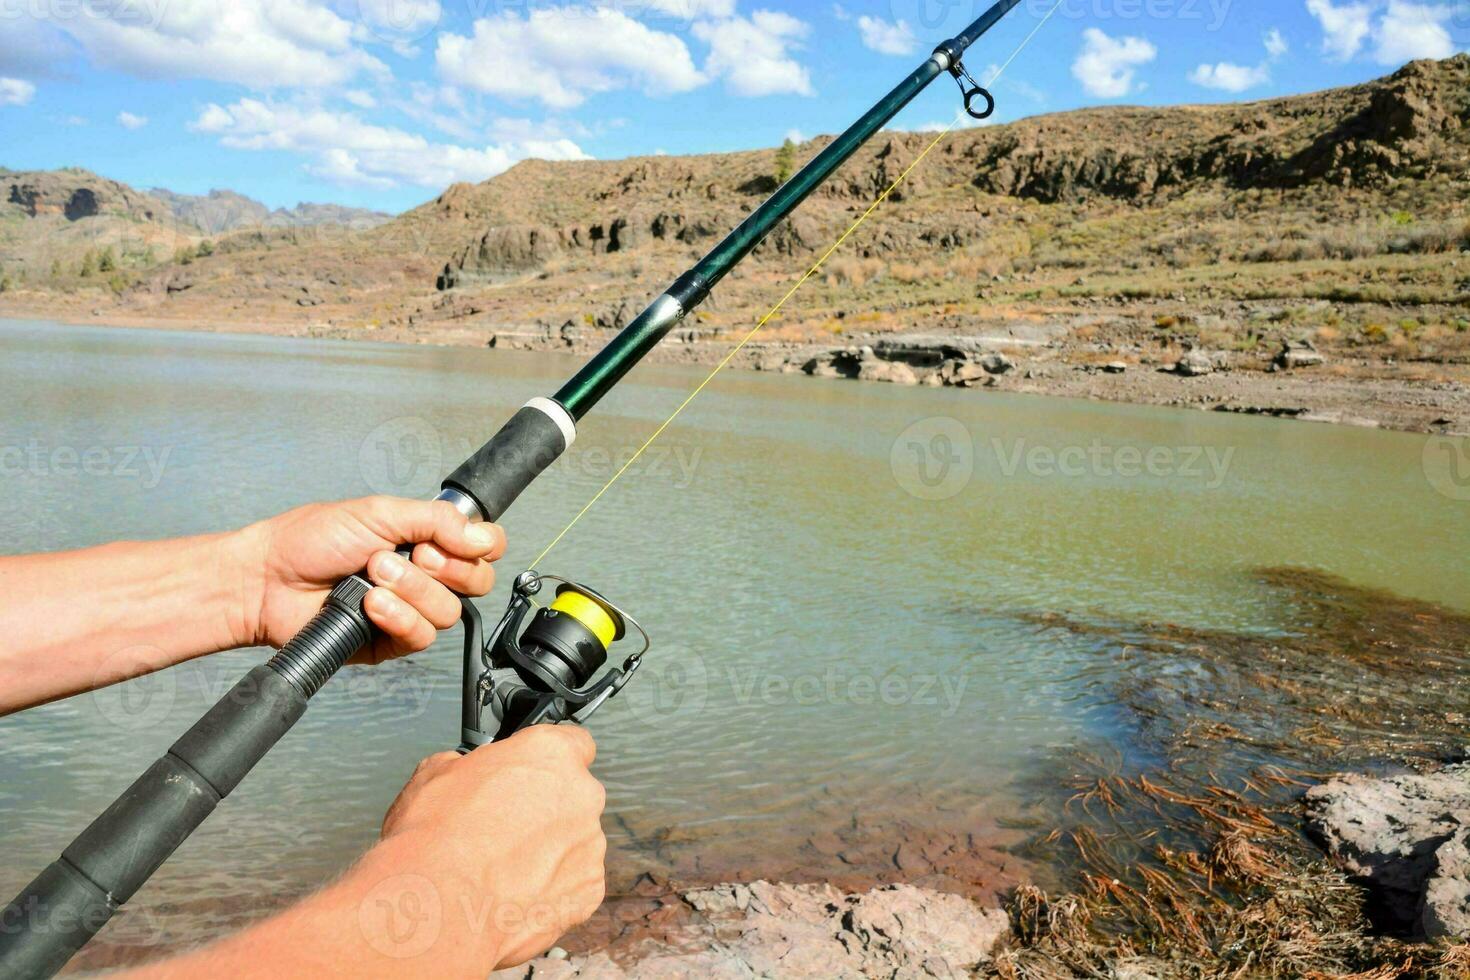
(541, 671)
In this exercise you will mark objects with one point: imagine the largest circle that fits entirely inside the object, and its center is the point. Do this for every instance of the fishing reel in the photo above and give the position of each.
(538, 664)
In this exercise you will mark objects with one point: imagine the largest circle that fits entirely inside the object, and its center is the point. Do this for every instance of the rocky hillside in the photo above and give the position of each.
(1410, 127)
(222, 211)
(1108, 239)
(55, 224)
(73, 193)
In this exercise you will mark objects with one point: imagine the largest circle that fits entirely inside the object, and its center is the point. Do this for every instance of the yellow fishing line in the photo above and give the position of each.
(816, 266)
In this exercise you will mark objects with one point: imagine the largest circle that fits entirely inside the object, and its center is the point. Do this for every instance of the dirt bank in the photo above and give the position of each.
(1042, 359)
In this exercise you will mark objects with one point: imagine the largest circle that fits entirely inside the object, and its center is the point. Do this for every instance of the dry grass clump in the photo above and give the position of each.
(1363, 241)
(1194, 865)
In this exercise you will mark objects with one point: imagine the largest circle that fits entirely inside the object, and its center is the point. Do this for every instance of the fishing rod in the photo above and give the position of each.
(536, 667)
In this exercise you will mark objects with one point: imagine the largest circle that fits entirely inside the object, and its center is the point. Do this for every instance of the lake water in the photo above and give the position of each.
(838, 579)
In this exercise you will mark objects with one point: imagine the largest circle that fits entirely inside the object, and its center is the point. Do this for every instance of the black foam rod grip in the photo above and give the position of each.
(73, 898)
(497, 473)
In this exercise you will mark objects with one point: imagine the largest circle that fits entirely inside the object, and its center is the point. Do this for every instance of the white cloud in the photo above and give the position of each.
(1276, 46)
(397, 20)
(683, 9)
(1106, 67)
(360, 98)
(29, 47)
(1412, 30)
(259, 43)
(16, 91)
(1344, 28)
(344, 149)
(127, 120)
(885, 38)
(962, 122)
(1227, 77)
(561, 54)
(794, 135)
(753, 54)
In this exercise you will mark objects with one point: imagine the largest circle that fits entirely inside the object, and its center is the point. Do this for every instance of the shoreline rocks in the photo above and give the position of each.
(950, 365)
(1407, 838)
(766, 929)
(1296, 354)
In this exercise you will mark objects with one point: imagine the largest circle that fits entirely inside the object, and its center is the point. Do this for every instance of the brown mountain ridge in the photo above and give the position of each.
(1105, 236)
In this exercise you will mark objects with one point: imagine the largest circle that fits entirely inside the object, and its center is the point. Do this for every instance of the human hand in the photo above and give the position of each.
(289, 563)
(513, 827)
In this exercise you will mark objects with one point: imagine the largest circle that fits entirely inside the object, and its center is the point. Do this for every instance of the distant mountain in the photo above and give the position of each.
(73, 193)
(51, 221)
(223, 211)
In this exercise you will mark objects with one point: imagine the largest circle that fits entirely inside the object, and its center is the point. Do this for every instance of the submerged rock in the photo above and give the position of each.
(1408, 838)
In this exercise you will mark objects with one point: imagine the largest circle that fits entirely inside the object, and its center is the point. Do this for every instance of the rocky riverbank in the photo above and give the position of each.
(1406, 838)
(1291, 381)
(1215, 841)
(765, 930)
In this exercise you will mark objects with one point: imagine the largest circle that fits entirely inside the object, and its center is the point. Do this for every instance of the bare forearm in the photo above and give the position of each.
(79, 620)
(378, 921)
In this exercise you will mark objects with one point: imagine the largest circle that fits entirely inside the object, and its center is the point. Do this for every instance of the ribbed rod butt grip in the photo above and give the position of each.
(338, 630)
(497, 473)
(109, 861)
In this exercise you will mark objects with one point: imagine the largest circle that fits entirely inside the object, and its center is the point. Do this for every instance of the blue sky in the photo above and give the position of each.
(381, 103)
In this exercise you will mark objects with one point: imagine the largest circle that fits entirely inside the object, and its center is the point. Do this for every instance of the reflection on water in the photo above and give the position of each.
(841, 581)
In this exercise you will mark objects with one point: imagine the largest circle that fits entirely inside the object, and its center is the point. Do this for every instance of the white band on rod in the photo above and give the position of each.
(559, 415)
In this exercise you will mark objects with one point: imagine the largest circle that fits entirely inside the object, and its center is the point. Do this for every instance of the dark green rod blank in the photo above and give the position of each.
(606, 368)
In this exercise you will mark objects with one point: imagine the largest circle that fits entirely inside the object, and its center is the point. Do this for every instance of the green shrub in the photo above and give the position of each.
(785, 162)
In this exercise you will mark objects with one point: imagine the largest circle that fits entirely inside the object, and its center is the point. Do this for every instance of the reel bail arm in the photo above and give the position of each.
(541, 671)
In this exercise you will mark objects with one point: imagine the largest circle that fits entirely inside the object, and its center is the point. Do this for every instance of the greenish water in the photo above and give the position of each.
(836, 576)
